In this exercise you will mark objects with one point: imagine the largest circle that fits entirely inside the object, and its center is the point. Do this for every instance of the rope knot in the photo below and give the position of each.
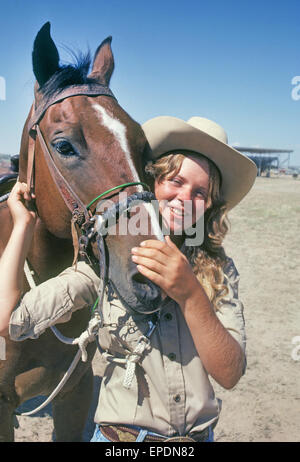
(143, 344)
(87, 336)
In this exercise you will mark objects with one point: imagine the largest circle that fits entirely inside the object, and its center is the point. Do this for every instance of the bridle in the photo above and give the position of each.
(84, 224)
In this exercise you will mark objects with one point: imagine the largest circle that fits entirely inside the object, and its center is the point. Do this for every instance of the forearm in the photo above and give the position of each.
(167, 267)
(11, 272)
(53, 301)
(220, 353)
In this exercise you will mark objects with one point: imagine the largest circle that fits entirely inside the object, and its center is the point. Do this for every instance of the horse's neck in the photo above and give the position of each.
(49, 255)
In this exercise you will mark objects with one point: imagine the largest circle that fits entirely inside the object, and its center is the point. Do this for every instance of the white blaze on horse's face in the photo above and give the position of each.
(119, 131)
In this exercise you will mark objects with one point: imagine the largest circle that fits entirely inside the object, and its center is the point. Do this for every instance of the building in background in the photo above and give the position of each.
(267, 159)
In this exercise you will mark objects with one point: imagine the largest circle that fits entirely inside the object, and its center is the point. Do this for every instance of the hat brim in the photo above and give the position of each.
(166, 134)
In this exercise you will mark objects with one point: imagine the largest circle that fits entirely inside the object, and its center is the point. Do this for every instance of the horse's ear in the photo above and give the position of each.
(45, 57)
(103, 64)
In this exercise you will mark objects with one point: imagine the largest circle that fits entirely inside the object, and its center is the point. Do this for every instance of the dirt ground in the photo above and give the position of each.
(265, 245)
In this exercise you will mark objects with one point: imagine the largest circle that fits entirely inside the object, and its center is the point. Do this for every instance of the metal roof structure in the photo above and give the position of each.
(264, 157)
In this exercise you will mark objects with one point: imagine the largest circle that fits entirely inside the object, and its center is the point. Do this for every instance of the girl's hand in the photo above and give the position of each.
(22, 214)
(166, 266)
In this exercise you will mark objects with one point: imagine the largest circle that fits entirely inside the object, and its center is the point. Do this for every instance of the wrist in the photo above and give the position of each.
(22, 235)
(191, 292)
(196, 300)
(25, 226)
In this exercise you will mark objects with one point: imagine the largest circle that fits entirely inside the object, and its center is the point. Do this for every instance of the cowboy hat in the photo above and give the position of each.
(203, 136)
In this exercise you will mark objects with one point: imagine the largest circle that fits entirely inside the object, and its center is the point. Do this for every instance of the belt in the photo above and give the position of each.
(122, 433)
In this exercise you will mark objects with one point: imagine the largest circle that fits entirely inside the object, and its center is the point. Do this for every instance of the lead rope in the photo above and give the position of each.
(32, 284)
(81, 353)
(86, 337)
(57, 389)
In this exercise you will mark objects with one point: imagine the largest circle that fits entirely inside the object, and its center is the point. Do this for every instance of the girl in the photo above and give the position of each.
(155, 388)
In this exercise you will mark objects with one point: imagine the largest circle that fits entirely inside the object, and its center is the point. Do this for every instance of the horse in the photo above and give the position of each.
(76, 127)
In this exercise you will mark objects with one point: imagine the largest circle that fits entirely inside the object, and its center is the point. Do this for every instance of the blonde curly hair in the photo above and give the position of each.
(208, 259)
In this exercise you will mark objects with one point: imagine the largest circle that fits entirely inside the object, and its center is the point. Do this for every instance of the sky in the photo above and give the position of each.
(235, 62)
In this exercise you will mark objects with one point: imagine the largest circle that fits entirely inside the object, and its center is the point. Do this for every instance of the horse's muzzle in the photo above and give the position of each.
(147, 293)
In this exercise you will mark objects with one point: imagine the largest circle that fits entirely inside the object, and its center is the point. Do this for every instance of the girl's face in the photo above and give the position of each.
(183, 198)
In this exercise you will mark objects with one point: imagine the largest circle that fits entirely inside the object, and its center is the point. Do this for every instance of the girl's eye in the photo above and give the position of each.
(65, 148)
(175, 180)
(201, 195)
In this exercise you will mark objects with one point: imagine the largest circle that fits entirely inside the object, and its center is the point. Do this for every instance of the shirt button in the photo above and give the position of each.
(172, 356)
(168, 317)
(177, 398)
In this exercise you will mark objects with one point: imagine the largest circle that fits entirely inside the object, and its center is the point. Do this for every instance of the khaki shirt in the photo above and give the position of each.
(169, 392)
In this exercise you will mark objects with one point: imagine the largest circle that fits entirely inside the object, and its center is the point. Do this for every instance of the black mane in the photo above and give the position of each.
(67, 75)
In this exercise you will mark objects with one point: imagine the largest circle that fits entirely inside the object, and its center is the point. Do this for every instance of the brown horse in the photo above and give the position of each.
(95, 145)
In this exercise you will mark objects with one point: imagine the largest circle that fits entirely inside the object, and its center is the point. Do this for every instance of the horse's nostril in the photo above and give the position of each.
(140, 279)
(146, 292)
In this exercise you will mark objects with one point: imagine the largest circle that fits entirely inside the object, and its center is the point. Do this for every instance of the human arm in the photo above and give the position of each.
(54, 301)
(49, 303)
(221, 354)
(13, 258)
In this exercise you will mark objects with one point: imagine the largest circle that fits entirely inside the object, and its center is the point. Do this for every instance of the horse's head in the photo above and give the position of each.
(94, 144)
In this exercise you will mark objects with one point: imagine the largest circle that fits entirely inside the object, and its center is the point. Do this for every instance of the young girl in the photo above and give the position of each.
(158, 388)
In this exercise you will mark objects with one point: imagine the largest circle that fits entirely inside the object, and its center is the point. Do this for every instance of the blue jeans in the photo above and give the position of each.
(99, 438)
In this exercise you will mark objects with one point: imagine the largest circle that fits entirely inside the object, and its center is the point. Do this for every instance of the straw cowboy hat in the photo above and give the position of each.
(204, 136)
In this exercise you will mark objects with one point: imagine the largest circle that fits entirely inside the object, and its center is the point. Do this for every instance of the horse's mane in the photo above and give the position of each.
(70, 74)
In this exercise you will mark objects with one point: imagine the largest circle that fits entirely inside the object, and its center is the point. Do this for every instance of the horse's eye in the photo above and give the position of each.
(65, 148)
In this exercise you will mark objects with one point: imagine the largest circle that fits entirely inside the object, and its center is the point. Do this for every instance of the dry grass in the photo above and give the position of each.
(265, 245)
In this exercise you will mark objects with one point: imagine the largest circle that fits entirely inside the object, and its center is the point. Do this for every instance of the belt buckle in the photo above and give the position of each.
(192, 438)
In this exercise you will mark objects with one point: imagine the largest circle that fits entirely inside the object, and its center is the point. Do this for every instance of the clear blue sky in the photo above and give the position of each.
(229, 60)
